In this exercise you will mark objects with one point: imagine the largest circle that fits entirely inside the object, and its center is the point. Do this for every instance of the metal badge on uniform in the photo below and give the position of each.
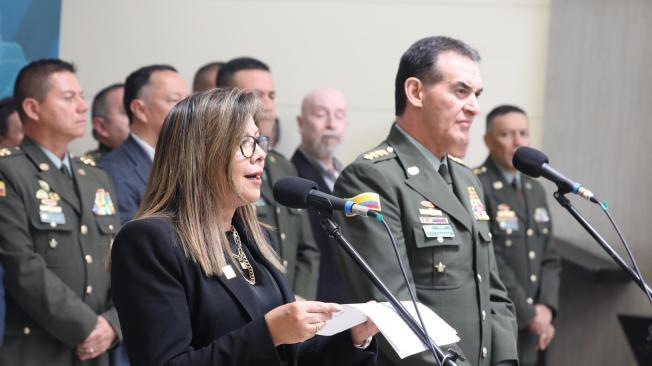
(228, 271)
(427, 204)
(430, 212)
(49, 210)
(479, 211)
(3, 189)
(103, 205)
(439, 231)
(506, 218)
(541, 215)
(435, 220)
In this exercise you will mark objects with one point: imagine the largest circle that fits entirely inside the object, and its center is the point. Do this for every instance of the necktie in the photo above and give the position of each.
(65, 170)
(518, 191)
(446, 175)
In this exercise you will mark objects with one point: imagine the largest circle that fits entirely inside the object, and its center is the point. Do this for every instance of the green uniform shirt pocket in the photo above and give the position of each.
(53, 242)
(435, 262)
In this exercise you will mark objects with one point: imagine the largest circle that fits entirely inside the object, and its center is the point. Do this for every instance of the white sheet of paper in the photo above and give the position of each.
(397, 333)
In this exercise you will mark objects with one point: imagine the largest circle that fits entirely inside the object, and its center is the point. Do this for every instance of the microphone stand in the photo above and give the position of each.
(334, 232)
(565, 202)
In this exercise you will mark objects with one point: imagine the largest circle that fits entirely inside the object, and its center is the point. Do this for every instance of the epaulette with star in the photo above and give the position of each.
(480, 170)
(87, 159)
(9, 151)
(378, 153)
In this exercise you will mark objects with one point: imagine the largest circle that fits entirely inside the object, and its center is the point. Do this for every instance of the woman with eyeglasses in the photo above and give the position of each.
(194, 278)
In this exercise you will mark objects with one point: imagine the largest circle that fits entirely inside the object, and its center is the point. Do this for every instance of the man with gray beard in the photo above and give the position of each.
(322, 123)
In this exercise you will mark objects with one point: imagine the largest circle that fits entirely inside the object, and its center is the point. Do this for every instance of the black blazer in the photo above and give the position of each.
(331, 286)
(172, 314)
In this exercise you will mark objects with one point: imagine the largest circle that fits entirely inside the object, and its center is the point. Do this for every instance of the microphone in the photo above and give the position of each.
(534, 163)
(297, 192)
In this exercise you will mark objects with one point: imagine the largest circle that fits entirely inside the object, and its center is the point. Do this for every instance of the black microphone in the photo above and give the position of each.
(297, 192)
(534, 163)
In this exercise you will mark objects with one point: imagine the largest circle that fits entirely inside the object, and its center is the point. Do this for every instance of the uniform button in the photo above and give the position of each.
(484, 352)
(285, 263)
(529, 300)
(508, 231)
(88, 258)
(532, 254)
(484, 315)
(533, 278)
(278, 210)
(89, 290)
(530, 232)
(390, 149)
(111, 227)
(81, 172)
(545, 230)
(26, 331)
(83, 229)
(282, 236)
(479, 277)
(508, 243)
(53, 224)
(53, 243)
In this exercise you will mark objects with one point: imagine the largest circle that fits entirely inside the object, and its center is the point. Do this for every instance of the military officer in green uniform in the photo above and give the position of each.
(433, 204)
(520, 222)
(57, 221)
(291, 229)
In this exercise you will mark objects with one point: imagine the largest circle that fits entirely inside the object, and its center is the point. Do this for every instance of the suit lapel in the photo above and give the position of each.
(141, 162)
(49, 173)
(427, 182)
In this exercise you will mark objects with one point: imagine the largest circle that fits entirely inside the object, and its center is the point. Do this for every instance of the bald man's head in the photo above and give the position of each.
(322, 122)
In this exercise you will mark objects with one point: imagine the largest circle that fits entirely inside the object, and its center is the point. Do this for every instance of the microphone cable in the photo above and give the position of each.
(604, 208)
(411, 292)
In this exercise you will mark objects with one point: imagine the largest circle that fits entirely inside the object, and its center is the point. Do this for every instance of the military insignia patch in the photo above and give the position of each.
(439, 231)
(427, 204)
(541, 215)
(3, 189)
(506, 218)
(430, 212)
(103, 205)
(479, 211)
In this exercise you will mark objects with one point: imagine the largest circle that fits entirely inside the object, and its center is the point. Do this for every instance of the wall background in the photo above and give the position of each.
(353, 46)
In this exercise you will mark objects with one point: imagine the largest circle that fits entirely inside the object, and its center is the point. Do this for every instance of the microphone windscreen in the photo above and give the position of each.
(529, 161)
(293, 191)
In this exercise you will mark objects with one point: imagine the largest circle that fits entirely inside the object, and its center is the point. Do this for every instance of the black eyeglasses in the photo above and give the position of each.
(248, 145)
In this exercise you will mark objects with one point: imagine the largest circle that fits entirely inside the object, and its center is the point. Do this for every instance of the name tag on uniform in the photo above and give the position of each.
(437, 220)
(52, 217)
(439, 231)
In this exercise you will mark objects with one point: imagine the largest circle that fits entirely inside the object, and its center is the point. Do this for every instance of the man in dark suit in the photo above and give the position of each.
(109, 120)
(520, 222)
(322, 123)
(57, 220)
(150, 93)
(432, 203)
(292, 235)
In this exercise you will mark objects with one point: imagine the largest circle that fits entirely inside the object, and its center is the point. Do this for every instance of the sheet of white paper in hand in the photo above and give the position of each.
(397, 333)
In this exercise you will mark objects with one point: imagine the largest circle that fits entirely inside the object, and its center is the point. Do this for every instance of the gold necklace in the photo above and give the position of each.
(242, 258)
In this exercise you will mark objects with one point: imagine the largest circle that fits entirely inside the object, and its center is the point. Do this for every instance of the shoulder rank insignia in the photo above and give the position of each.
(480, 170)
(378, 153)
(87, 159)
(457, 160)
(5, 152)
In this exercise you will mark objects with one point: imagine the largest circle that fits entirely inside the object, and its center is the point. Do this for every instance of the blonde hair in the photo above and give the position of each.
(191, 175)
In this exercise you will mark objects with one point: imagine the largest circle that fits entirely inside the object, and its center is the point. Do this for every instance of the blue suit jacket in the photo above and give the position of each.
(129, 168)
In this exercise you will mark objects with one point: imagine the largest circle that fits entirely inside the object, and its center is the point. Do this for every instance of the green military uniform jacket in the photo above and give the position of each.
(291, 230)
(54, 243)
(448, 252)
(528, 262)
